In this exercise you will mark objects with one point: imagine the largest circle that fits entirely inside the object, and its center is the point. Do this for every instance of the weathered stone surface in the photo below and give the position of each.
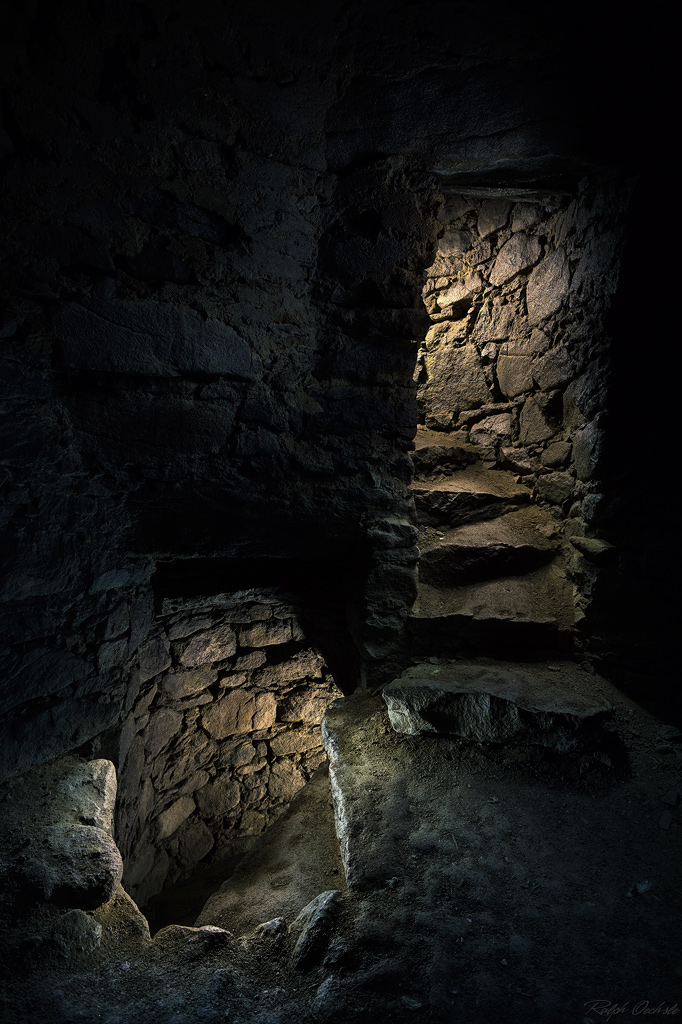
(299, 854)
(595, 550)
(162, 729)
(263, 634)
(217, 645)
(171, 819)
(218, 798)
(556, 454)
(150, 338)
(460, 292)
(507, 545)
(495, 322)
(548, 286)
(313, 927)
(468, 493)
(154, 657)
(76, 934)
(493, 216)
(230, 715)
(535, 425)
(514, 374)
(554, 369)
(587, 449)
(493, 430)
(72, 865)
(456, 381)
(535, 610)
(556, 487)
(498, 703)
(178, 683)
(519, 253)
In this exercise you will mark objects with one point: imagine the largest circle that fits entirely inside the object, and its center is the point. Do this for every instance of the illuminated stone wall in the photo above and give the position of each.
(517, 360)
(221, 736)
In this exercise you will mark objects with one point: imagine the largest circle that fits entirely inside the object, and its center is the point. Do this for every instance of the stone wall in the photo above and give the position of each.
(223, 733)
(517, 358)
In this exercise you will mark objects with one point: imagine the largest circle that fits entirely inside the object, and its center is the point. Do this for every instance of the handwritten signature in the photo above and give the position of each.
(608, 1009)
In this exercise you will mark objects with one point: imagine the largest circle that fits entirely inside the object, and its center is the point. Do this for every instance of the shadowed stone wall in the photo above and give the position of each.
(214, 224)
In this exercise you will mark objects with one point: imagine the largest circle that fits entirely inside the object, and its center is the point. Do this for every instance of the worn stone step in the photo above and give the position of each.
(533, 611)
(437, 452)
(468, 494)
(511, 544)
(554, 704)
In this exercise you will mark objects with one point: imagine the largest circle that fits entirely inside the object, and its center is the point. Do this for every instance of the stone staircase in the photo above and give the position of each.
(493, 566)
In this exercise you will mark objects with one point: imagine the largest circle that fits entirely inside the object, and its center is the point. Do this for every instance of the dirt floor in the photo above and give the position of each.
(490, 884)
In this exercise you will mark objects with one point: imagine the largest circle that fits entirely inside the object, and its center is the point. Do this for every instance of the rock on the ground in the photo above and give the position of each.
(71, 865)
(498, 703)
(313, 927)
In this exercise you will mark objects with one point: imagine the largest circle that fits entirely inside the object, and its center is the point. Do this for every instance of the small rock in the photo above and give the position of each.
(314, 924)
(665, 820)
(671, 733)
(672, 797)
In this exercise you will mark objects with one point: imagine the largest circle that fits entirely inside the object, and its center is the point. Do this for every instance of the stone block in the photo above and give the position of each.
(514, 373)
(164, 725)
(495, 322)
(587, 449)
(461, 292)
(265, 634)
(214, 645)
(492, 430)
(111, 656)
(218, 798)
(266, 711)
(556, 487)
(498, 703)
(548, 286)
(178, 683)
(519, 253)
(72, 865)
(304, 665)
(554, 369)
(556, 454)
(172, 818)
(153, 657)
(535, 426)
(231, 715)
(456, 381)
(186, 625)
(493, 216)
(195, 840)
(285, 781)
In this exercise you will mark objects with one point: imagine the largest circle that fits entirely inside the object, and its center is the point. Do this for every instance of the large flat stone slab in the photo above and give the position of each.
(514, 543)
(469, 493)
(534, 610)
(558, 706)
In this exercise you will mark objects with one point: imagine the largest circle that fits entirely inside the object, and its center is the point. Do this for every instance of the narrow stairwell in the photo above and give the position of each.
(492, 571)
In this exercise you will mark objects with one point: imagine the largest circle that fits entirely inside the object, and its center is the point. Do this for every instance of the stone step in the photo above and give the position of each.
(437, 452)
(552, 704)
(512, 544)
(533, 611)
(473, 493)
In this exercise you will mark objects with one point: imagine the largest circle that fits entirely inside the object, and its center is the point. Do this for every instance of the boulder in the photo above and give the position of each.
(498, 703)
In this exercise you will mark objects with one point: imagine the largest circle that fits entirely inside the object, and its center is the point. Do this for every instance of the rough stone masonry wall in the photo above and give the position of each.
(172, 385)
(222, 734)
(517, 358)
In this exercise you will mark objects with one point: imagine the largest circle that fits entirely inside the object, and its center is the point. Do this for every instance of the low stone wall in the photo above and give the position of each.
(516, 360)
(223, 733)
